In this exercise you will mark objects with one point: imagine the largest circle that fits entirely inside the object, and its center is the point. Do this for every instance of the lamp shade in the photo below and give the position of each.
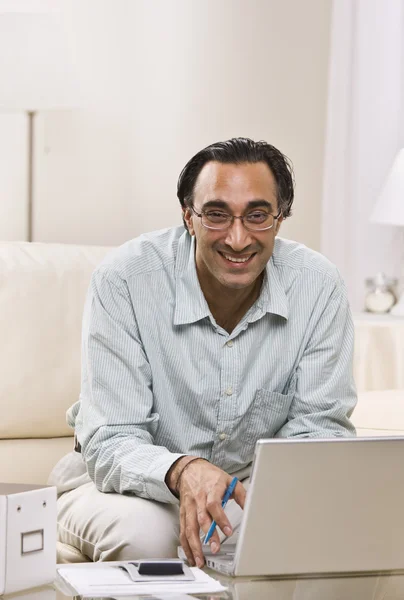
(36, 70)
(389, 208)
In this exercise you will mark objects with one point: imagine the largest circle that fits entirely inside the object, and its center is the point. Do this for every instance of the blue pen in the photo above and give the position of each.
(225, 500)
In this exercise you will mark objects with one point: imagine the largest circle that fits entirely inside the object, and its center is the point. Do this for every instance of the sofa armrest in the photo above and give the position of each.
(379, 413)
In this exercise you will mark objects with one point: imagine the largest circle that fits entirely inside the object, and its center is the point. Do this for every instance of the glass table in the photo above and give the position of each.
(359, 587)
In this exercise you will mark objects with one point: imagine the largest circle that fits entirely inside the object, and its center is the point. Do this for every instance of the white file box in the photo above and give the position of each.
(27, 536)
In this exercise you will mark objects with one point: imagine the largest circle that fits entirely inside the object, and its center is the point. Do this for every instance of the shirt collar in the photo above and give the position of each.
(190, 303)
(272, 298)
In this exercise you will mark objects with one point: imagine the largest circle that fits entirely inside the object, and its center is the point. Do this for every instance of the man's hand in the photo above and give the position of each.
(201, 489)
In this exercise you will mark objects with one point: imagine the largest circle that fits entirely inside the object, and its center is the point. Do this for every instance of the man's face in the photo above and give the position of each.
(235, 190)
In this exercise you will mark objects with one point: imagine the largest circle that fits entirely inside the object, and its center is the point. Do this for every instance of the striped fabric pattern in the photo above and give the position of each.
(161, 379)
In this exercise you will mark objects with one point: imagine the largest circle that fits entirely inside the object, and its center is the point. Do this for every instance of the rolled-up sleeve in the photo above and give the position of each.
(325, 393)
(117, 424)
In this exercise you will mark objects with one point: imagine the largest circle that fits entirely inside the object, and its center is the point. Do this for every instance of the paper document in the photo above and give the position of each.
(107, 579)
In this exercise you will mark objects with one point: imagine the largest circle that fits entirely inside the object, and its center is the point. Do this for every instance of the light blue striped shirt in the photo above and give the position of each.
(161, 379)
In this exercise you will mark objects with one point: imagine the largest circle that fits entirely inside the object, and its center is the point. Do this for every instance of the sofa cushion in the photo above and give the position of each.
(379, 413)
(42, 294)
(31, 461)
(68, 554)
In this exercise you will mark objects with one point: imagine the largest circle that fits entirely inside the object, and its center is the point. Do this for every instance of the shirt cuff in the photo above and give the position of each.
(155, 485)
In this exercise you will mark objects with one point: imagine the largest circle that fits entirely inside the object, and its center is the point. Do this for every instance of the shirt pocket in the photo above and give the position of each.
(268, 413)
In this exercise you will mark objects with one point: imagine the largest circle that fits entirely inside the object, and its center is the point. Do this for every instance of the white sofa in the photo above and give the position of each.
(379, 413)
(42, 292)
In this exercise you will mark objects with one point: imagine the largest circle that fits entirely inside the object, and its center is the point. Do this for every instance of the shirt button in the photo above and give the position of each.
(222, 436)
(229, 344)
(229, 390)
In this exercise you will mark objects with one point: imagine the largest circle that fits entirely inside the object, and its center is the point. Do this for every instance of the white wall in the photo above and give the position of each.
(13, 177)
(212, 70)
(84, 178)
(160, 79)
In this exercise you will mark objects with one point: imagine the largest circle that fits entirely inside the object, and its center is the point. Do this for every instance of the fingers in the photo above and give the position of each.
(205, 521)
(217, 513)
(214, 542)
(240, 494)
(189, 532)
(215, 510)
(192, 534)
(201, 490)
(183, 537)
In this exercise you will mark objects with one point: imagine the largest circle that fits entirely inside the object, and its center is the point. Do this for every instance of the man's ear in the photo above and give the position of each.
(278, 224)
(187, 214)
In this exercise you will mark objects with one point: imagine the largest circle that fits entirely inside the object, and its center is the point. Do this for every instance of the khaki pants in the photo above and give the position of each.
(113, 526)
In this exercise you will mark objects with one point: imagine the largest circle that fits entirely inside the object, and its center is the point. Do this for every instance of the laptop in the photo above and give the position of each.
(318, 507)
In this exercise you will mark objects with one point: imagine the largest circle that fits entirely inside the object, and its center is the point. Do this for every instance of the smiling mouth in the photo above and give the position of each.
(237, 260)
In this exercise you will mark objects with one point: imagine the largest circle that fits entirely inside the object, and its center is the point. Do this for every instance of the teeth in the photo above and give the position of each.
(236, 260)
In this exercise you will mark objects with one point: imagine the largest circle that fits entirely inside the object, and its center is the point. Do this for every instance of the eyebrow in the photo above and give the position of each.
(252, 204)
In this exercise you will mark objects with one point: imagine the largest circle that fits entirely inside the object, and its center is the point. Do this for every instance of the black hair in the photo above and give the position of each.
(237, 151)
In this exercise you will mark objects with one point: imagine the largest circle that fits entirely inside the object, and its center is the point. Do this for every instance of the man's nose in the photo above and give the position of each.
(238, 237)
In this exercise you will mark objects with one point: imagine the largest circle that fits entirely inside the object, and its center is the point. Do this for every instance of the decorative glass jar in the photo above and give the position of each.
(380, 297)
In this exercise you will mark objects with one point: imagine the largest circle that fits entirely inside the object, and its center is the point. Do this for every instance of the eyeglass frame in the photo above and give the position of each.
(231, 221)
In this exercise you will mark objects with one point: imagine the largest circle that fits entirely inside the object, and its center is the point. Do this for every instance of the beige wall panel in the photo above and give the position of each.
(160, 79)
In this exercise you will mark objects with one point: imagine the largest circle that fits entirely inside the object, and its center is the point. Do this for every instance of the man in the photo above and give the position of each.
(196, 343)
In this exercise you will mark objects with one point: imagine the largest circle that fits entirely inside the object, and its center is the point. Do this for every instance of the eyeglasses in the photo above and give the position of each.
(256, 220)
